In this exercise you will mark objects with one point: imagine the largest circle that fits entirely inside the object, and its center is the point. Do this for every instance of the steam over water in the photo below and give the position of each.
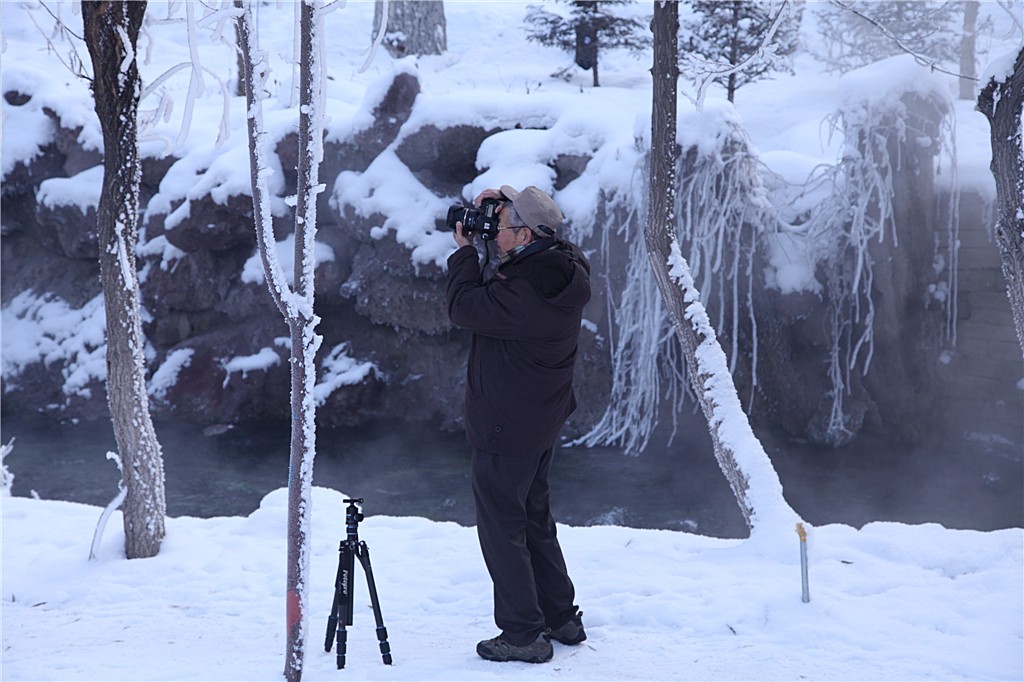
(401, 469)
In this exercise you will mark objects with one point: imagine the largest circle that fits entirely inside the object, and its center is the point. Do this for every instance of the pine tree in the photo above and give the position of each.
(589, 27)
(728, 32)
(857, 33)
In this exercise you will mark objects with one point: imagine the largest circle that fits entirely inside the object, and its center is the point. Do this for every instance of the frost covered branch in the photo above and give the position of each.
(122, 492)
(712, 71)
(74, 64)
(640, 338)
(379, 38)
(216, 19)
(1008, 7)
(257, 73)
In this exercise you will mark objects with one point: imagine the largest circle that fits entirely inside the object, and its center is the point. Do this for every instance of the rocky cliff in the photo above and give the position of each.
(215, 351)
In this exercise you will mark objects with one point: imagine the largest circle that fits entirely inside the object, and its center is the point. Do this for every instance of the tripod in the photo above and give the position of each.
(341, 611)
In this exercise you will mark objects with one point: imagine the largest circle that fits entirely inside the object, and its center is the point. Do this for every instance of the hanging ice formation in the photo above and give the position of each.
(721, 208)
(724, 212)
(859, 212)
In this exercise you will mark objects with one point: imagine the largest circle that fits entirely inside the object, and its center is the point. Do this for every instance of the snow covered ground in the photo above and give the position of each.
(888, 602)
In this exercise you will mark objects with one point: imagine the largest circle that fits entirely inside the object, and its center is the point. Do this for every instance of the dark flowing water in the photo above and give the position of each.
(402, 469)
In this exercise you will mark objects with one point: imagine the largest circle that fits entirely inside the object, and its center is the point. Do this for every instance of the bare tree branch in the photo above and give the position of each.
(918, 57)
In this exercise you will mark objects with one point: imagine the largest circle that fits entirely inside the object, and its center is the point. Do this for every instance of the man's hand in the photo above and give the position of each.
(462, 239)
(489, 194)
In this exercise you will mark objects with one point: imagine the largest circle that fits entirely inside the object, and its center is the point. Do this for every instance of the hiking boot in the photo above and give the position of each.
(499, 649)
(569, 633)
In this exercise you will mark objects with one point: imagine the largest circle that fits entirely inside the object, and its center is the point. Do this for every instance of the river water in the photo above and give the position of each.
(414, 469)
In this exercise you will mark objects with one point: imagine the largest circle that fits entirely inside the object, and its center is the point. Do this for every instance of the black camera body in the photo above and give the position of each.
(483, 220)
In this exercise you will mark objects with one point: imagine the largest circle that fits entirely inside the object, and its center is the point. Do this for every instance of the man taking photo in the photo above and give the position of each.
(525, 323)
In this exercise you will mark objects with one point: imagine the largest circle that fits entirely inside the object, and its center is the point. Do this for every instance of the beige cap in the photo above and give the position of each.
(535, 207)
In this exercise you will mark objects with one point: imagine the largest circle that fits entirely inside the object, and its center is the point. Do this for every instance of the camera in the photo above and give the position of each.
(483, 220)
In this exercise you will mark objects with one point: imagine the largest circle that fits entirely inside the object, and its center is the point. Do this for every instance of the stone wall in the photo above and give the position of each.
(392, 313)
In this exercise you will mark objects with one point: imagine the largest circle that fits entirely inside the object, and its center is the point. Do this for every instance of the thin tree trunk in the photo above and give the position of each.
(111, 32)
(240, 66)
(705, 359)
(304, 342)
(968, 49)
(295, 305)
(1003, 104)
(659, 231)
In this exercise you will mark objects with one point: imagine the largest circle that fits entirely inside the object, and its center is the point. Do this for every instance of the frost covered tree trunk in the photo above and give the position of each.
(754, 478)
(1002, 102)
(415, 27)
(659, 232)
(111, 31)
(296, 303)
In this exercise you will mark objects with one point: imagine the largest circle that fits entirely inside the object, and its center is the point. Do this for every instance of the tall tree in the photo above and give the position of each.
(415, 27)
(111, 33)
(295, 303)
(968, 50)
(730, 32)
(739, 453)
(1002, 102)
(590, 27)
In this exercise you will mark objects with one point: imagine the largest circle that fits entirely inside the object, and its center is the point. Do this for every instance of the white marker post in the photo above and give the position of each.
(806, 596)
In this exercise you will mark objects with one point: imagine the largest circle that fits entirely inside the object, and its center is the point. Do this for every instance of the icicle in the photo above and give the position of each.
(720, 211)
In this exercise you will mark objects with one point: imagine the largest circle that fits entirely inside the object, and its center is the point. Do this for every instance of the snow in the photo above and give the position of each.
(900, 74)
(340, 369)
(388, 187)
(81, 190)
(52, 88)
(888, 601)
(792, 269)
(261, 360)
(1000, 68)
(46, 329)
(166, 375)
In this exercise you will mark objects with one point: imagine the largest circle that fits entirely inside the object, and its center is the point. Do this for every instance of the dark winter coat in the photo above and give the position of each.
(525, 323)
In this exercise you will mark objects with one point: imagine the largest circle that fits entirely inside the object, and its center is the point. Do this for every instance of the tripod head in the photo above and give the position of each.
(353, 515)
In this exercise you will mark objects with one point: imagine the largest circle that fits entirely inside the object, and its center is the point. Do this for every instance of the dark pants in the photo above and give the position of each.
(532, 589)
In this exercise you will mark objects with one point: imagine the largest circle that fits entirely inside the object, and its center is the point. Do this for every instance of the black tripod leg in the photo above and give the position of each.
(382, 632)
(332, 620)
(343, 597)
